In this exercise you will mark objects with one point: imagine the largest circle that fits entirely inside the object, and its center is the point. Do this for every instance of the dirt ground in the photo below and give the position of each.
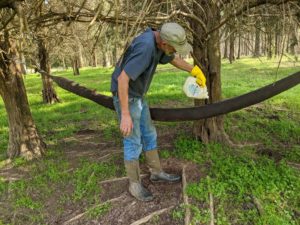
(125, 209)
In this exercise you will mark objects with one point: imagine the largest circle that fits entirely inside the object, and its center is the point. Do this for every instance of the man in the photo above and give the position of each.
(130, 82)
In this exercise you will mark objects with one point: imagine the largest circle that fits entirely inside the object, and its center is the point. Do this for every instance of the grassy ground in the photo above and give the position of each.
(251, 185)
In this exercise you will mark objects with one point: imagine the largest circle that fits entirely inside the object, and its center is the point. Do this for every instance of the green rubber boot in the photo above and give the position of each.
(157, 174)
(136, 188)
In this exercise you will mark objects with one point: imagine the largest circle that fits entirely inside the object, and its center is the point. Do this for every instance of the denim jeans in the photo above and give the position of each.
(143, 136)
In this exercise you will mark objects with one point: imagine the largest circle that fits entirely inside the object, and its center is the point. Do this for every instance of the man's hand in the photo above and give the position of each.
(126, 125)
(200, 78)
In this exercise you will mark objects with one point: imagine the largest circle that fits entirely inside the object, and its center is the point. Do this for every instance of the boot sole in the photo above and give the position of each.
(165, 181)
(143, 199)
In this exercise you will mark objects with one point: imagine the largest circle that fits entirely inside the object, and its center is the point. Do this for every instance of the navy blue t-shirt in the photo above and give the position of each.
(139, 62)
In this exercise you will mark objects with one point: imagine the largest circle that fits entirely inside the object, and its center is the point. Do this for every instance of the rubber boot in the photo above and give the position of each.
(157, 174)
(136, 188)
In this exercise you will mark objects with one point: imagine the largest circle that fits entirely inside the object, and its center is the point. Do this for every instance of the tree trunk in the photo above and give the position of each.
(24, 139)
(80, 61)
(225, 56)
(208, 55)
(104, 61)
(75, 65)
(276, 37)
(269, 40)
(239, 47)
(65, 66)
(263, 44)
(266, 43)
(257, 39)
(23, 63)
(49, 94)
(293, 41)
(246, 47)
(270, 46)
(94, 59)
(288, 44)
(114, 55)
(231, 44)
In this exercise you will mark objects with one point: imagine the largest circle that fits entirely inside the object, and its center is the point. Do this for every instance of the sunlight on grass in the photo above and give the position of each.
(234, 176)
(242, 76)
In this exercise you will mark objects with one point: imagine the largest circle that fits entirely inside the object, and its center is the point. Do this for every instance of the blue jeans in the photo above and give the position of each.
(143, 136)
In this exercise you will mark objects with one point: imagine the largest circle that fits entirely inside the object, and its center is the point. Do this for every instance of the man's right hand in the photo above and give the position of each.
(200, 78)
(126, 125)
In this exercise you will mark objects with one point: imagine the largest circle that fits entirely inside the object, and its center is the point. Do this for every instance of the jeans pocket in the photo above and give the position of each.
(132, 100)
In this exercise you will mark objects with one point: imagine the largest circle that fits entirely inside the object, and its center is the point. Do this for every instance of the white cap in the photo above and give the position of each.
(174, 35)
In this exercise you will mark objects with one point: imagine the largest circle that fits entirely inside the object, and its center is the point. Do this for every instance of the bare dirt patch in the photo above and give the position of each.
(126, 209)
(91, 145)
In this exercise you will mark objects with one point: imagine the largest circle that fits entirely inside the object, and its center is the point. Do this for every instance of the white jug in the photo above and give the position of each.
(193, 90)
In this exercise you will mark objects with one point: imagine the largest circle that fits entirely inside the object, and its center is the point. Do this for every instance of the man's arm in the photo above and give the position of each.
(182, 64)
(126, 124)
(195, 71)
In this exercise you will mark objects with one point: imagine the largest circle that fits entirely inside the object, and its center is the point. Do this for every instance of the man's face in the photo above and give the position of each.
(168, 49)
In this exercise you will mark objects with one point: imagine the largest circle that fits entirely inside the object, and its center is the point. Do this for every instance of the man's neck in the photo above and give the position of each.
(158, 39)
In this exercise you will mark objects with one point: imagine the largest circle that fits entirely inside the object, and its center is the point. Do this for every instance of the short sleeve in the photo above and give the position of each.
(166, 58)
(137, 61)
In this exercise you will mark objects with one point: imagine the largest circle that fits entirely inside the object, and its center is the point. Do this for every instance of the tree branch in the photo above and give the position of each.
(246, 7)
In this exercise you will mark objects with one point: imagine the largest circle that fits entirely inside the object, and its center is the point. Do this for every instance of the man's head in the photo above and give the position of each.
(174, 39)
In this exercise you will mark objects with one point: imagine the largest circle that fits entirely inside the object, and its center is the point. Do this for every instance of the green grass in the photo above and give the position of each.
(98, 211)
(235, 177)
(235, 180)
(52, 180)
(87, 176)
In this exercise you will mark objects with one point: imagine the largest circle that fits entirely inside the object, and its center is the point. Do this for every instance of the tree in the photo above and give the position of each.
(206, 46)
(208, 56)
(203, 19)
(231, 43)
(257, 39)
(49, 94)
(24, 139)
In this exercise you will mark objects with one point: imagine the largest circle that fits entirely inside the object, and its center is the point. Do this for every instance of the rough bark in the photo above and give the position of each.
(264, 43)
(94, 59)
(48, 92)
(246, 47)
(23, 64)
(293, 41)
(65, 66)
(239, 47)
(231, 44)
(81, 62)
(276, 44)
(269, 41)
(288, 45)
(257, 39)
(104, 61)
(208, 55)
(9, 3)
(24, 139)
(75, 66)
(114, 55)
(225, 56)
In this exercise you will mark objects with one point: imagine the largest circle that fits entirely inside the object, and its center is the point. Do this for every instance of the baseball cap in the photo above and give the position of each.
(174, 35)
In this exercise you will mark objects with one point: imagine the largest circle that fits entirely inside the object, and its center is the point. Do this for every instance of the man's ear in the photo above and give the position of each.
(163, 42)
